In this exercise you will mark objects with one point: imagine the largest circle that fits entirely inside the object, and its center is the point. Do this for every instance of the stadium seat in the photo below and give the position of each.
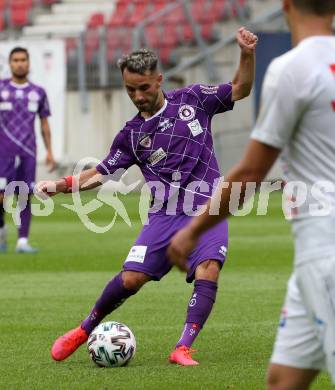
(96, 20)
(19, 13)
(2, 20)
(120, 15)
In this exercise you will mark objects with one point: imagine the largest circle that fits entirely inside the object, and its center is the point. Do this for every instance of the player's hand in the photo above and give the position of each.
(246, 40)
(50, 162)
(48, 188)
(182, 244)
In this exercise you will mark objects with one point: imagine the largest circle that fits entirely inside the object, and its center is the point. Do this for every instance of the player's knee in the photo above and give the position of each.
(134, 280)
(208, 270)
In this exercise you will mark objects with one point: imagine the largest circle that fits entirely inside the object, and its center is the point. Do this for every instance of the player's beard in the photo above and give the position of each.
(21, 75)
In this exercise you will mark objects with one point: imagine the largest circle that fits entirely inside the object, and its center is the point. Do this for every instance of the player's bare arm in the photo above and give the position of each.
(87, 180)
(257, 161)
(244, 78)
(46, 134)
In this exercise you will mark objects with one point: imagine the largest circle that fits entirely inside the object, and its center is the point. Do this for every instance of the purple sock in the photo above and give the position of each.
(25, 216)
(199, 308)
(111, 298)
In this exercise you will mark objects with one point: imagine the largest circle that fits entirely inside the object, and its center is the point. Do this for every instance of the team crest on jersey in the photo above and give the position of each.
(5, 94)
(186, 112)
(33, 96)
(145, 141)
(157, 156)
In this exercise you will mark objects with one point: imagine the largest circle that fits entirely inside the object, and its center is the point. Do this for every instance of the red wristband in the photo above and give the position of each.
(69, 182)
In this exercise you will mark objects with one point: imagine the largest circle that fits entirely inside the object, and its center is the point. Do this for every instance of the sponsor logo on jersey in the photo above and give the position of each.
(186, 112)
(164, 125)
(115, 158)
(157, 156)
(145, 141)
(19, 94)
(6, 106)
(209, 89)
(33, 96)
(195, 127)
(5, 94)
(137, 254)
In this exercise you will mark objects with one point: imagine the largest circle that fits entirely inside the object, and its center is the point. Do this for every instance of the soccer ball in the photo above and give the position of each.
(111, 344)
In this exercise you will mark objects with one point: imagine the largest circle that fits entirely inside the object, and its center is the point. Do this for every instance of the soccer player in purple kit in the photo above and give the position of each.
(170, 140)
(20, 102)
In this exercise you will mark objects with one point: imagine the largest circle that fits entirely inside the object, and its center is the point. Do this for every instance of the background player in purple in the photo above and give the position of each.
(170, 140)
(20, 102)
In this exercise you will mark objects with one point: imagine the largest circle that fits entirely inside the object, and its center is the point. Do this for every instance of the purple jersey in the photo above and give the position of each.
(19, 105)
(174, 148)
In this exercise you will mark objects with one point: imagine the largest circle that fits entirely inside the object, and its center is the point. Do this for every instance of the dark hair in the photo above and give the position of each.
(139, 61)
(18, 50)
(317, 7)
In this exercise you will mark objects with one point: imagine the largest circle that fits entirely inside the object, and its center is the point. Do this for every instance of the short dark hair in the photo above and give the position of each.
(316, 7)
(139, 61)
(18, 49)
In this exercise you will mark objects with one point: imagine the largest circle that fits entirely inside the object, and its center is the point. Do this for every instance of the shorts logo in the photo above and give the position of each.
(114, 160)
(5, 94)
(145, 141)
(137, 254)
(186, 112)
(283, 318)
(195, 127)
(3, 183)
(223, 250)
(157, 156)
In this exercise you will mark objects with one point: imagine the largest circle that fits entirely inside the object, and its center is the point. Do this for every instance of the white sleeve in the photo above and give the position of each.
(281, 106)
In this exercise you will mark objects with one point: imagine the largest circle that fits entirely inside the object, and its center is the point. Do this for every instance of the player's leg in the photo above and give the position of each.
(297, 356)
(282, 377)
(7, 174)
(116, 292)
(3, 228)
(205, 264)
(26, 172)
(199, 308)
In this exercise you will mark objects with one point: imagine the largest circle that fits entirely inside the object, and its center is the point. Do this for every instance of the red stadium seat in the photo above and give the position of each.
(120, 15)
(19, 14)
(139, 11)
(96, 20)
(2, 21)
(3, 4)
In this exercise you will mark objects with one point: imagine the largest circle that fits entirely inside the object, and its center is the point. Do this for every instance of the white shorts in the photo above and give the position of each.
(306, 333)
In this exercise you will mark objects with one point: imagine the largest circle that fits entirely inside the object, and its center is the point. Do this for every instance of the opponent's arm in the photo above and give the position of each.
(87, 180)
(46, 134)
(244, 78)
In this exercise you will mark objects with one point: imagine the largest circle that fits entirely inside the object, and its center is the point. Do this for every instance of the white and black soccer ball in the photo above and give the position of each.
(111, 344)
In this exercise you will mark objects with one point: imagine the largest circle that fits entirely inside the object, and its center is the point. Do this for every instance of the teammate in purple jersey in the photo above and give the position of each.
(20, 102)
(170, 140)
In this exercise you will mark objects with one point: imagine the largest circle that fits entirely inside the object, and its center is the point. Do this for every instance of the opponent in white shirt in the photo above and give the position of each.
(297, 118)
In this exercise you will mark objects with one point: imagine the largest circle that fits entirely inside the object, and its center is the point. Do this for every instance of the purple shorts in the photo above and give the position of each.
(148, 255)
(20, 169)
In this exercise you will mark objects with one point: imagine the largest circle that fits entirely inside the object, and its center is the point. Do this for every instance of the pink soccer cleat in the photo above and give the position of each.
(65, 345)
(182, 355)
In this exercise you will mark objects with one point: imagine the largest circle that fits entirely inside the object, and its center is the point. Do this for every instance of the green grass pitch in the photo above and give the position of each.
(44, 295)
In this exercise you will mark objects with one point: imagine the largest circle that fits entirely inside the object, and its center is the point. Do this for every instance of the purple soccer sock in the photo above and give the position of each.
(199, 309)
(25, 216)
(111, 298)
